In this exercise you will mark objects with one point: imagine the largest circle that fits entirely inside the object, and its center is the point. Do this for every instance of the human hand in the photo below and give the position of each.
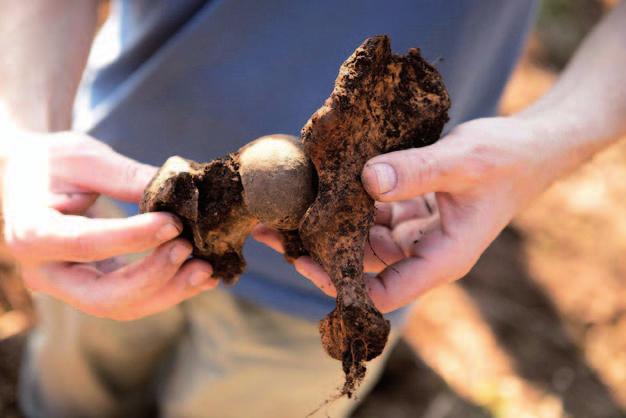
(49, 182)
(482, 174)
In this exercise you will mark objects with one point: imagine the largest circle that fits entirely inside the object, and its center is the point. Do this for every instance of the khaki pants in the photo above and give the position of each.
(212, 356)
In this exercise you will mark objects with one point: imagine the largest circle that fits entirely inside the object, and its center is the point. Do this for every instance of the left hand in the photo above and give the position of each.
(481, 174)
(50, 183)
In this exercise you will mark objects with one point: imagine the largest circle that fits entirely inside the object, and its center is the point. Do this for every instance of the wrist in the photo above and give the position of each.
(35, 113)
(562, 137)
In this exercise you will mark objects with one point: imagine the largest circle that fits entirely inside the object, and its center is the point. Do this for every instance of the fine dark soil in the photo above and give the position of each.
(208, 199)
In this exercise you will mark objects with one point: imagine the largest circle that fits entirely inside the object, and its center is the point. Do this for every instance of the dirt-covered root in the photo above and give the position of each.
(208, 199)
(353, 333)
(269, 180)
(381, 103)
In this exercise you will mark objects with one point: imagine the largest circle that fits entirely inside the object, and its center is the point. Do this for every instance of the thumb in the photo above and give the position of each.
(98, 168)
(407, 174)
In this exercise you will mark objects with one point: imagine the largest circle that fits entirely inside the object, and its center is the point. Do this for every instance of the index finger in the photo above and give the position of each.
(105, 171)
(54, 237)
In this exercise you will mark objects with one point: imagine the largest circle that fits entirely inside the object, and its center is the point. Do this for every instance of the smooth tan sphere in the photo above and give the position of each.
(278, 180)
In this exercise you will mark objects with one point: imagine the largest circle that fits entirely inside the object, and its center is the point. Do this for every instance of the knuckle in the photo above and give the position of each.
(131, 173)
(20, 240)
(81, 246)
(418, 167)
(150, 279)
(481, 161)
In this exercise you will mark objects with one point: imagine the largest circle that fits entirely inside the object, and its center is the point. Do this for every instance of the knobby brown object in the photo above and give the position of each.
(381, 103)
(219, 202)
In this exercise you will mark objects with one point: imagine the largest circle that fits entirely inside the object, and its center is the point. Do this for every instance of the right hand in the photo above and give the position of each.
(482, 173)
(49, 182)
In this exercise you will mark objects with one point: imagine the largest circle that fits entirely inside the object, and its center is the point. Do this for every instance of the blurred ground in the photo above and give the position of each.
(537, 330)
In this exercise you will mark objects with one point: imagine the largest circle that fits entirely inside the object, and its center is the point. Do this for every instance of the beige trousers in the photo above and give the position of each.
(212, 356)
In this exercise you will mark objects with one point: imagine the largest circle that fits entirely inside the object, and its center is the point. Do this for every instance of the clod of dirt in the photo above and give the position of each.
(381, 103)
(208, 199)
(220, 202)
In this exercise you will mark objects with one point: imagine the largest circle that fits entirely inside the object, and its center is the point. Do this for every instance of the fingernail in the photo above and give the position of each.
(198, 278)
(168, 232)
(179, 253)
(385, 177)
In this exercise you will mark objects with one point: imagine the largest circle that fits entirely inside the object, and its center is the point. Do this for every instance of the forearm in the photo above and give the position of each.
(43, 50)
(586, 109)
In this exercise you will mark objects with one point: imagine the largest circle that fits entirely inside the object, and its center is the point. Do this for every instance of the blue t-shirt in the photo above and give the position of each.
(200, 78)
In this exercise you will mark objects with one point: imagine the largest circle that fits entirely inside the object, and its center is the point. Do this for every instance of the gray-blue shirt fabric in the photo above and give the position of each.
(201, 78)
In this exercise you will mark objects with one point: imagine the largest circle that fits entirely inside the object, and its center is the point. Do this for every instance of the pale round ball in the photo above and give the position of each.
(278, 180)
